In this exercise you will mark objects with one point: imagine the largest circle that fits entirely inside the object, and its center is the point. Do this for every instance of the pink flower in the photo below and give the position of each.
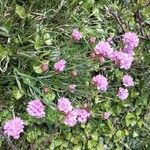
(103, 48)
(128, 81)
(35, 108)
(14, 127)
(64, 105)
(121, 59)
(130, 39)
(76, 35)
(76, 115)
(106, 115)
(101, 82)
(60, 65)
(128, 49)
(92, 40)
(83, 115)
(123, 93)
(72, 88)
(71, 118)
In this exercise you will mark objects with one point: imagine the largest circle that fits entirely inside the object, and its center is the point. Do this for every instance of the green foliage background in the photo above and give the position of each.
(33, 32)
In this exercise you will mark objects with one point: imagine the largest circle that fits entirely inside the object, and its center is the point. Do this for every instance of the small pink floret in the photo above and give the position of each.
(14, 127)
(123, 93)
(127, 81)
(60, 65)
(100, 82)
(76, 35)
(36, 108)
(64, 105)
(104, 49)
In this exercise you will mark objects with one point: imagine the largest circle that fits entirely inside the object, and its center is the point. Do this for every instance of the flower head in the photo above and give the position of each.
(71, 118)
(64, 105)
(101, 82)
(76, 115)
(76, 35)
(83, 115)
(128, 49)
(36, 108)
(106, 115)
(72, 88)
(60, 65)
(123, 93)
(103, 48)
(14, 127)
(123, 60)
(127, 81)
(130, 39)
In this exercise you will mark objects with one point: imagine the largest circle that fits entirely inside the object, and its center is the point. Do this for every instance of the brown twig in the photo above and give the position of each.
(116, 17)
(144, 38)
(138, 19)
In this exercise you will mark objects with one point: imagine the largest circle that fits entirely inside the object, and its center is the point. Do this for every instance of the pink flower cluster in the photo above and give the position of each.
(130, 41)
(76, 35)
(123, 93)
(76, 115)
(100, 82)
(104, 49)
(123, 60)
(60, 66)
(127, 82)
(72, 116)
(35, 108)
(14, 127)
(64, 105)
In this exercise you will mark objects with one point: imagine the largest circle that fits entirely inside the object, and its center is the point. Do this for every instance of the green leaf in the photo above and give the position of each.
(47, 39)
(31, 136)
(65, 144)
(52, 116)
(20, 11)
(38, 69)
(58, 142)
(4, 31)
(17, 93)
(91, 143)
(130, 119)
(95, 136)
(77, 147)
(49, 97)
(3, 52)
